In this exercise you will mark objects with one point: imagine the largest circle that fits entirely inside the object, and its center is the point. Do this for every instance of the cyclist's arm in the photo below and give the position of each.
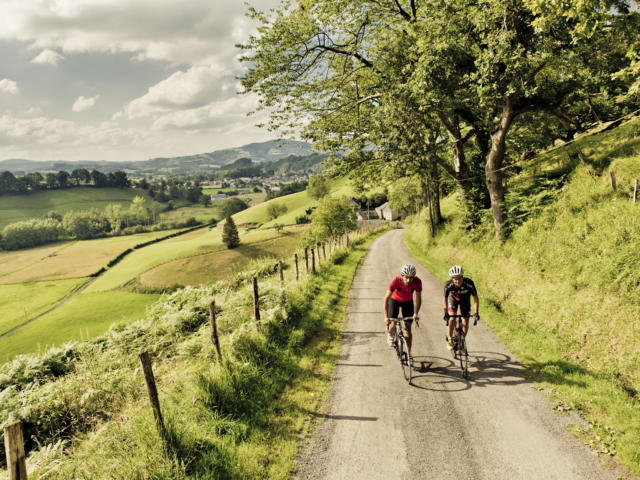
(476, 302)
(386, 303)
(417, 303)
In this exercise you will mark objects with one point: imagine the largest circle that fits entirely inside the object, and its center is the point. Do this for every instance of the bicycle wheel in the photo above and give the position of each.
(405, 361)
(463, 354)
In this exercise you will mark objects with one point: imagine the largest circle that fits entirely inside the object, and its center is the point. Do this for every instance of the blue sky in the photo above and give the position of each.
(122, 79)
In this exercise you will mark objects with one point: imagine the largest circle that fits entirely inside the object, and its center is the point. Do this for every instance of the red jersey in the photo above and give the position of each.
(402, 292)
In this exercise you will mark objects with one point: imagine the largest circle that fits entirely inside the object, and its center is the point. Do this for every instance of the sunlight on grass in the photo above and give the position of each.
(84, 317)
(23, 301)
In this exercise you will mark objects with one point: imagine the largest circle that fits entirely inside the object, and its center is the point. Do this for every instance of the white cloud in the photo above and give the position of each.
(82, 103)
(8, 86)
(151, 29)
(196, 87)
(47, 56)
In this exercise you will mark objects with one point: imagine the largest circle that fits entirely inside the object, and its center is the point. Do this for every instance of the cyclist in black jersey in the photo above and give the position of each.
(457, 293)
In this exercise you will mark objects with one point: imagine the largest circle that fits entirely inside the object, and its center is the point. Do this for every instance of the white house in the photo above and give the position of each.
(385, 212)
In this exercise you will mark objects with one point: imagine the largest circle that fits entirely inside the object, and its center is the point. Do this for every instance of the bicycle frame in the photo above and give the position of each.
(402, 349)
(460, 346)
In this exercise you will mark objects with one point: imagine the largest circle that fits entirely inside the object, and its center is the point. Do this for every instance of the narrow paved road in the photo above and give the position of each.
(493, 426)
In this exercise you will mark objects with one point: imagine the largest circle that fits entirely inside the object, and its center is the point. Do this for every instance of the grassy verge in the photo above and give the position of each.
(239, 418)
(563, 290)
(85, 316)
(23, 301)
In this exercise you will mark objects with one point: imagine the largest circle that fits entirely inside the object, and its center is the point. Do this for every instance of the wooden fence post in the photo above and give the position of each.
(635, 190)
(295, 256)
(612, 176)
(313, 261)
(281, 272)
(256, 301)
(306, 259)
(214, 329)
(145, 359)
(14, 450)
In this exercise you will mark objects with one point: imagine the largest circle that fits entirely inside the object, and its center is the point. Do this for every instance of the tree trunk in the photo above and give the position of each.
(427, 201)
(493, 169)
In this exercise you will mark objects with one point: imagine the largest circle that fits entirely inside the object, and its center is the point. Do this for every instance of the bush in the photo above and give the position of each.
(31, 233)
(302, 219)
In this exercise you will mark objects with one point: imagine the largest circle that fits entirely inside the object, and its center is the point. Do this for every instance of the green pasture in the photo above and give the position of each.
(23, 301)
(194, 244)
(85, 316)
(15, 208)
(199, 212)
(67, 259)
(296, 203)
(222, 264)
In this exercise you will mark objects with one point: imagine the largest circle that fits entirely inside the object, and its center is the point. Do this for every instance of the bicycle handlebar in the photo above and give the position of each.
(475, 318)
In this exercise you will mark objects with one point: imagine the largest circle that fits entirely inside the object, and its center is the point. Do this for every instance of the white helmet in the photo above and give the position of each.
(455, 271)
(408, 270)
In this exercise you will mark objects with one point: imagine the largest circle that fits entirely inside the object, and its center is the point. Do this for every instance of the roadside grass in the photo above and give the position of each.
(563, 291)
(236, 419)
(85, 316)
(67, 259)
(23, 301)
(218, 265)
(15, 208)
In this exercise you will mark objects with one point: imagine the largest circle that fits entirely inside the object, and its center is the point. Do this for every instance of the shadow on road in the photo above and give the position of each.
(485, 369)
(342, 417)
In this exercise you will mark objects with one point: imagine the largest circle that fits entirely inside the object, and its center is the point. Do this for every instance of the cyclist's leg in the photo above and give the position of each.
(452, 305)
(394, 309)
(465, 310)
(407, 312)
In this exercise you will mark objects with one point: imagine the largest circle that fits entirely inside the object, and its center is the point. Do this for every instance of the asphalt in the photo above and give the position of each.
(494, 425)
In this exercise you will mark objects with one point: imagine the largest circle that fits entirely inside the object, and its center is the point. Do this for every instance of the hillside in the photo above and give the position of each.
(563, 291)
(15, 208)
(263, 152)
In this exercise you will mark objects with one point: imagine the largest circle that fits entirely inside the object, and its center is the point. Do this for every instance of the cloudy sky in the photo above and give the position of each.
(123, 79)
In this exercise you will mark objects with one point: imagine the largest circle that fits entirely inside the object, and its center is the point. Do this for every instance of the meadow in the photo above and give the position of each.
(84, 317)
(67, 259)
(15, 208)
(20, 302)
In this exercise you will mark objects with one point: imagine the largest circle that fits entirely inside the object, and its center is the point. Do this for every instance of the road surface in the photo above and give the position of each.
(376, 426)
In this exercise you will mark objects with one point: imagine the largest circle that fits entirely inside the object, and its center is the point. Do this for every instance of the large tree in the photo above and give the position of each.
(351, 71)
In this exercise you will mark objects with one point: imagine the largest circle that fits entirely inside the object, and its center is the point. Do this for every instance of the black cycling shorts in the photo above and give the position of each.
(395, 306)
(453, 303)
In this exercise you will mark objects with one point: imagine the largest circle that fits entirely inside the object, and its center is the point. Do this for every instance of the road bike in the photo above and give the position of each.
(402, 349)
(459, 350)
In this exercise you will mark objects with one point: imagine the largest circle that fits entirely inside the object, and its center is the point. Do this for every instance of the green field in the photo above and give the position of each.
(84, 317)
(296, 203)
(23, 301)
(67, 259)
(222, 264)
(15, 208)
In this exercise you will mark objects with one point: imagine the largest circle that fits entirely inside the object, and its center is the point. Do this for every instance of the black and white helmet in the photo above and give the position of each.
(455, 271)
(408, 270)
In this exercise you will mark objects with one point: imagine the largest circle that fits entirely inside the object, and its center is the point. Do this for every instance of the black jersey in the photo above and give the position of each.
(462, 293)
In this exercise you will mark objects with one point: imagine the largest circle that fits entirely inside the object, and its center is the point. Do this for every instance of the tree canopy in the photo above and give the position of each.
(441, 88)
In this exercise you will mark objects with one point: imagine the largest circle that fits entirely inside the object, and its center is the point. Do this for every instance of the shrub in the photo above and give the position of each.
(31, 233)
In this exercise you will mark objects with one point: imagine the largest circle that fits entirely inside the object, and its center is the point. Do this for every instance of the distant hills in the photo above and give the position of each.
(287, 151)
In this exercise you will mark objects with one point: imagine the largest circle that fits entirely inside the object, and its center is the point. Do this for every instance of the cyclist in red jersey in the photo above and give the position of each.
(457, 293)
(400, 296)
